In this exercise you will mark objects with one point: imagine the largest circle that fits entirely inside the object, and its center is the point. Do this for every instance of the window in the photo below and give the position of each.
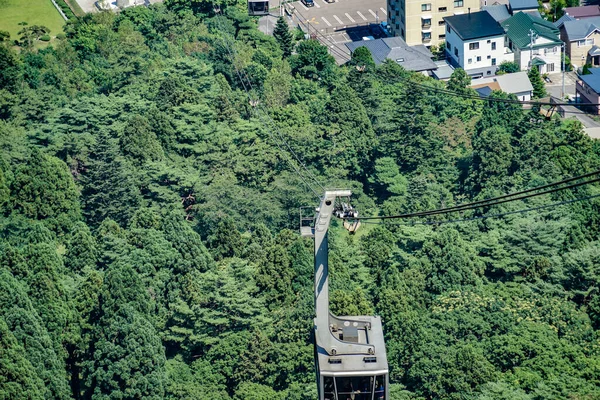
(426, 7)
(489, 72)
(441, 22)
(585, 42)
(474, 46)
(470, 61)
(448, 28)
(426, 23)
(426, 36)
(442, 9)
(458, 3)
(456, 51)
(449, 47)
(488, 57)
(493, 61)
(442, 37)
(478, 58)
(493, 45)
(550, 67)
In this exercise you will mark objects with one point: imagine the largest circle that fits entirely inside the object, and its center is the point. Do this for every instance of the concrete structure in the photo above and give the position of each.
(517, 84)
(475, 43)
(534, 41)
(422, 21)
(582, 41)
(587, 90)
(413, 58)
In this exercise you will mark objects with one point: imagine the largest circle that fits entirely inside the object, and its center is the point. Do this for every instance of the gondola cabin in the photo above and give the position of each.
(258, 7)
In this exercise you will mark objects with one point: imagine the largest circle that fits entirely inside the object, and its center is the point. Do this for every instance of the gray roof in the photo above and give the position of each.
(443, 71)
(498, 12)
(560, 22)
(593, 80)
(474, 25)
(580, 29)
(517, 5)
(594, 51)
(412, 58)
(484, 91)
(583, 11)
(517, 82)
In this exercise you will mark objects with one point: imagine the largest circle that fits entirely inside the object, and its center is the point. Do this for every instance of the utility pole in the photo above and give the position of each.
(563, 54)
(532, 37)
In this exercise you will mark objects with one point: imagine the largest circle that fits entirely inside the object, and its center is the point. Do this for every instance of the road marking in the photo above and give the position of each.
(316, 4)
(385, 12)
(350, 18)
(372, 13)
(338, 20)
(327, 22)
(303, 6)
(360, 15)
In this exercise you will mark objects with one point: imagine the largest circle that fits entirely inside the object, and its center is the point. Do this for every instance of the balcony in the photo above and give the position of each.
(425, 25)
(426, 39)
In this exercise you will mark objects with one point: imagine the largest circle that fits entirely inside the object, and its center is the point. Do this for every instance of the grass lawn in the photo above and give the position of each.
(34, 12)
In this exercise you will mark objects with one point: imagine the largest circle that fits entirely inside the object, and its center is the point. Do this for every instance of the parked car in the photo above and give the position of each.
(308, 3)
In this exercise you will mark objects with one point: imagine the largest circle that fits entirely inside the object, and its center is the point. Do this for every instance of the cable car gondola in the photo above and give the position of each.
(350, 356)
(258, 7)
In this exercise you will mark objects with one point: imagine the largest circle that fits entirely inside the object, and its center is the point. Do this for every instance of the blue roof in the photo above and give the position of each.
(593, 80)
(516, 5)
(484, 91)
(562, 20)
(499, 12)
(412, 58)
(581, 28)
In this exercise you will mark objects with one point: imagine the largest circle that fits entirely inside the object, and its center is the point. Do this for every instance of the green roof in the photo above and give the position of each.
(538, 61)
(517, 29)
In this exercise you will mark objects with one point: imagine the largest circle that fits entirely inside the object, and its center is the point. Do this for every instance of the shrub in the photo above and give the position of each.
(45, 38)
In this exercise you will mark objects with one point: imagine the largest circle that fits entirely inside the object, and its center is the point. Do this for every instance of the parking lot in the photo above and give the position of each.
(340, 22)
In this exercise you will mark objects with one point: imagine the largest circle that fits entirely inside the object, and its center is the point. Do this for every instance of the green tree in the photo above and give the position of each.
(539, 88)
(508, 67)
(459, 81)
(139, 142)
(313, 61)
(282, 34)
(362, 58)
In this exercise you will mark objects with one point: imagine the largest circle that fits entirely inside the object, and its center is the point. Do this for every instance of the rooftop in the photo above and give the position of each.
(583, 11)
(474, 25)
(517, 5)
(517, 82)
(593, 80)
(499, 12)
(581, 28)
(560, 22)
(412, 58)
(517, 29)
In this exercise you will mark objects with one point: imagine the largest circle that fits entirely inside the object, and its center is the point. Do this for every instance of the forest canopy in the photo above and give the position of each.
(149, 219)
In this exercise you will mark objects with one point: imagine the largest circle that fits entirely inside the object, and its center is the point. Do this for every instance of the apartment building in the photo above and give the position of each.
(422, 21)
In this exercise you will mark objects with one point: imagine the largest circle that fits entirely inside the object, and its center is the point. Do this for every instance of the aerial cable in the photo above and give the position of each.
(247, 85)
(480, 217)
(522, 195)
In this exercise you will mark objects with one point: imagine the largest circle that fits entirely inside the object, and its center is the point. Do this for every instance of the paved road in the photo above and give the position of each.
(328, 17)
(555, 88)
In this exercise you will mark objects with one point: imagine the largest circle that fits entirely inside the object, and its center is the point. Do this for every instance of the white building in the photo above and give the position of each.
(475, 43)
(517, 84)
(534, 41)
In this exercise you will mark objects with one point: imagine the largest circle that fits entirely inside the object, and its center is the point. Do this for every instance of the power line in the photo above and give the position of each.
(522, 195)
(499, 215)
(248, 84)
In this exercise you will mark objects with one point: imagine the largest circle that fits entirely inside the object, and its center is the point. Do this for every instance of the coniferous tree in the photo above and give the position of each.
(284, 37)
(539, 88)
(109, 189)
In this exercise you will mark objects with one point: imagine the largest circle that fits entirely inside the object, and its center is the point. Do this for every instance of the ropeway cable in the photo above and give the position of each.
(248, 82)
(521, 195)
(499, 215)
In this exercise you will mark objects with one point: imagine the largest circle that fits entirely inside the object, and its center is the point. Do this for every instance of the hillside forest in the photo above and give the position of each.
(149, 219)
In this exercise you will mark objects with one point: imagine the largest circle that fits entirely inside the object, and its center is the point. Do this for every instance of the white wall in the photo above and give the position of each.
(550, 54)
(484, 51)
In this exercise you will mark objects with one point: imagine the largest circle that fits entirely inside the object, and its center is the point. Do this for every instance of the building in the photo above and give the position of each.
(413, 58)
(422, 21)
(514, 6)
(475, 43)
(534, 41)
(499, 12)
(583, 12)
(517, 84)
(582, 41)
(587, 90)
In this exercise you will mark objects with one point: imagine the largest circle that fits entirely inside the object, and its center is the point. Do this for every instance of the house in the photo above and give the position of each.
(412, 58)
(583, 12)
(517, 83)
(499, 12)
(587, 89)
(475, 43)
(582, 40)
(514, 6)
(534, 41)
(422, 21)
